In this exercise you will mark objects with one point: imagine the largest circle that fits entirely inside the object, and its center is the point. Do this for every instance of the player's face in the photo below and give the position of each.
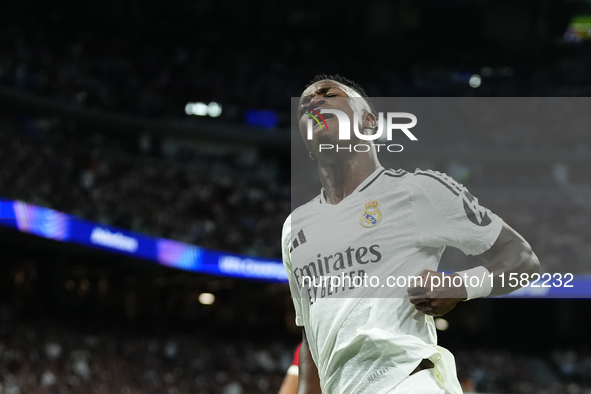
(330, 95)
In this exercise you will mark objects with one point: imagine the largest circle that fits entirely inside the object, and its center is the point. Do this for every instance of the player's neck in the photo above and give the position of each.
(341, 179)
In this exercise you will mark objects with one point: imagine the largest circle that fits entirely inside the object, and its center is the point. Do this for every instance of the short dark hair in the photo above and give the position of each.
(345, 81)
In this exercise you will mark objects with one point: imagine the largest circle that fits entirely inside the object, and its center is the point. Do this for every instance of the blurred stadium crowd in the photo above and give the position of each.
(48, 356)
(120, 71)
(221, 202)
(51, 356)
(233, 203)
(565, 371)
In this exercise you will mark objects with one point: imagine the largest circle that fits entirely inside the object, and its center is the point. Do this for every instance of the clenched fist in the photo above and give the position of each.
(438, 294)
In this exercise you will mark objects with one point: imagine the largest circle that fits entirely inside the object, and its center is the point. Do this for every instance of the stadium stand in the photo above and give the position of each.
(51, 355)
(225, 202)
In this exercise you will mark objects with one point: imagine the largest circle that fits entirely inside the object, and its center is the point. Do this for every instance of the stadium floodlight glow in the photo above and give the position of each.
(200, 109)
(475, 81)
(214, 109)
(441, 324)
(206, 298)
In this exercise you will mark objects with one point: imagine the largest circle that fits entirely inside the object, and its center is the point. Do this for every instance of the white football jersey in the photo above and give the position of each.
(367, 338)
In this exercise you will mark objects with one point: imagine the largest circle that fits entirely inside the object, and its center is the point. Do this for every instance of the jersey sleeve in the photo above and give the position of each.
(447, 214)
(286, 256)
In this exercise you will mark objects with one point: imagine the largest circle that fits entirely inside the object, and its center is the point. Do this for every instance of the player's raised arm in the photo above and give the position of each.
(510, 254)
(448, 215)
(309, 382)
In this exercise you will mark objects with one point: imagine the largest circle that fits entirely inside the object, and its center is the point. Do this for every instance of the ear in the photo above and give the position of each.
(369, 120)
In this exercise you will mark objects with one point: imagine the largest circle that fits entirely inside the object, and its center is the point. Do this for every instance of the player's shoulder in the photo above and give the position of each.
(433, 180)
(311, 205)
(392, 173)
(390, 177)
(299, 212)
(286, 224)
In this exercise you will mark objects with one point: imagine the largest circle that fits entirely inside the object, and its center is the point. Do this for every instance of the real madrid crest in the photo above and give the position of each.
(372, 215)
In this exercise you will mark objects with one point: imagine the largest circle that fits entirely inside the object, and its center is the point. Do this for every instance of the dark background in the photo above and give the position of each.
(93, 123)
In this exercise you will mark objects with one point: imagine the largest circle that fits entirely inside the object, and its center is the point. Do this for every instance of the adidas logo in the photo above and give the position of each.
(300, 240)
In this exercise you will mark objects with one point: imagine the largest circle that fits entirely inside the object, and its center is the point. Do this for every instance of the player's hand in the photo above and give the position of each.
(442, 299)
